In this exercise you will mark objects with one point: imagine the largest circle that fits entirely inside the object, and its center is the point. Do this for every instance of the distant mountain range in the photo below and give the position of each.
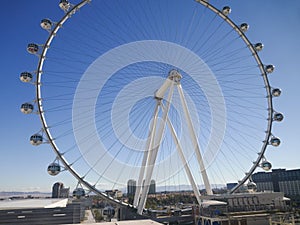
(184, 187)
(10, 194)
(173, 188)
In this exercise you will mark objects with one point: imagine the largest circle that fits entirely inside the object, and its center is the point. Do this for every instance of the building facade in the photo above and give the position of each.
(279, 180)
(152, 188)
(59, 191)
(115, 193)
(29, 212)
(131, 187)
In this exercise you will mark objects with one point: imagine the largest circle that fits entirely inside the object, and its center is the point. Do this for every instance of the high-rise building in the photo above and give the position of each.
(279, 180)
(131, 187)
(59, 191)
(56, 189)
(152, 188)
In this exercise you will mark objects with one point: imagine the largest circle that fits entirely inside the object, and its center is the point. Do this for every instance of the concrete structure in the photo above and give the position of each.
(129, 222)
(89, 218)
(251, 201)
(39, 212)
(115, 193)
(279, 180)
(244, 209)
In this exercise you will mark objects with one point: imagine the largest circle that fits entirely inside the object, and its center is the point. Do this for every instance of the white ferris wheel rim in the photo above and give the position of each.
(47, 130)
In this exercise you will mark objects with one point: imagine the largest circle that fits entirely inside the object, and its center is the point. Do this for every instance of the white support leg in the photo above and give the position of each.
(194, 141)
(184, 162)
(147, 155)
(152, 159)
(162, 90)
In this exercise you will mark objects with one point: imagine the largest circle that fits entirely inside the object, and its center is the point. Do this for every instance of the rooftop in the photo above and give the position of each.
(32, 203)
(128, 222)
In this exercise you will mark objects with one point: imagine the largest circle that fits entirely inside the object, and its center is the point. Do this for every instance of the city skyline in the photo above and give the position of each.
(24, 167)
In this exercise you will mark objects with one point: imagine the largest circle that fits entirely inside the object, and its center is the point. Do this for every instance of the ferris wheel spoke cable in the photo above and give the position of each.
(200, 21)
(228, 62)
(108, 150)
(204, 44)
(203, 31)
(238, 149)
(121, 172)
(218, 174)
(229, 163)
(239, 124)
(213, 57)
(216, 49)
(187, 35)
(153, 23)
(103, 22)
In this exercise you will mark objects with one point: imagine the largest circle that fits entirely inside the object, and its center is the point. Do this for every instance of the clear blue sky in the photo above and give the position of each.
(23, 167)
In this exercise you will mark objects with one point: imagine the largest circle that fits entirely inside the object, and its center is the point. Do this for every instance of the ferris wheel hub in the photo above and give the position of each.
(175, 75)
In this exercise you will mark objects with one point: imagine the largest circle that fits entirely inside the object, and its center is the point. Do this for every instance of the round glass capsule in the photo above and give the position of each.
(36, 139)
(32, 48)
(26, 77)
(226, 10)
(266, 166)
(78, 192)
(275, 141)
(244, 27)
(251, 185)
(270, 68)
(64, 5)
(276, 92)
(278, 117)
(46, 24)
(53, 169)
(258, 46)
(27, 108)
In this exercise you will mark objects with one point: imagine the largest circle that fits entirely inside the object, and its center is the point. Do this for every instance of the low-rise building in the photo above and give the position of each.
(39, 211)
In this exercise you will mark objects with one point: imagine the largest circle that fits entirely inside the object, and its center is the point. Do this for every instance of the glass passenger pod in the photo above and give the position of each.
(36, 139)
(278, 117)
(226, 10)
(78, 193)
(276, 92)
(109, 211)
(32, 48)
(46, 24)
(266, 166)
(27, 108)
(53, 169)
(275, 141)
(244, 27)
(258, 46)
(251, 185)
(64, 5)
(26, 77)
(270, 68)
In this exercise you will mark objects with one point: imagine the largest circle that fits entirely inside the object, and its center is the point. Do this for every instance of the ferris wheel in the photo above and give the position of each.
(171, 91)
